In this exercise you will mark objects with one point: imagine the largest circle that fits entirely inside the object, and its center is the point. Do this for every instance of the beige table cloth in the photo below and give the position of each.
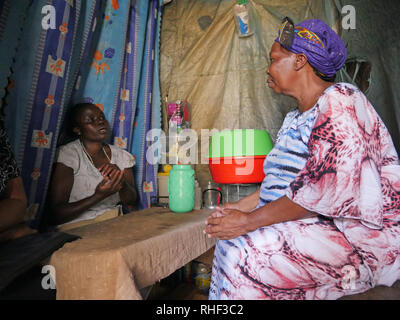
(116, 258)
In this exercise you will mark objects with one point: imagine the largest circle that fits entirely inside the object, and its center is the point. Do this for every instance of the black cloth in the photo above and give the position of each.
(20, 255)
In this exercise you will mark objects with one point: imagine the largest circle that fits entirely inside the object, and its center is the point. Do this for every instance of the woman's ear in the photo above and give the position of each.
(301, 61)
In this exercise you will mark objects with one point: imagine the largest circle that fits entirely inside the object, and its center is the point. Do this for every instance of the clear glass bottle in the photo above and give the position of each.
(198, 201)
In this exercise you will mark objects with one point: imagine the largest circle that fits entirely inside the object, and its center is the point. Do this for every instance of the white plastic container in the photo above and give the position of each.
(243, 19)
(163, 187)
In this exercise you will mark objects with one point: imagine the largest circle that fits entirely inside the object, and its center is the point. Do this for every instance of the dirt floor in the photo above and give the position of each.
(182, 291)
(378, 293)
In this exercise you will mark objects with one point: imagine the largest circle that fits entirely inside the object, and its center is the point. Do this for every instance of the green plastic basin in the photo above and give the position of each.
(239, 143)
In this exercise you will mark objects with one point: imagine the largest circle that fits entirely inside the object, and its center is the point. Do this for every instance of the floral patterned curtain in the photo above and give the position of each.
(100, 51)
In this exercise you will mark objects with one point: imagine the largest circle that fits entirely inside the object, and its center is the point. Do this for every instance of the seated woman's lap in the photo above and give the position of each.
(292, 260)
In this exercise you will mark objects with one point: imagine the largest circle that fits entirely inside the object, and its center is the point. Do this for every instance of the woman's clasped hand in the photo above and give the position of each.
(226, 223)
(112, 180)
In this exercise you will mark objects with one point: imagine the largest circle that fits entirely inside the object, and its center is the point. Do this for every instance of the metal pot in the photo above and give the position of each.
(212, 197)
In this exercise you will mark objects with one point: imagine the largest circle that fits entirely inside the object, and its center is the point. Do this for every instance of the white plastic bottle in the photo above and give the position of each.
(242, 18)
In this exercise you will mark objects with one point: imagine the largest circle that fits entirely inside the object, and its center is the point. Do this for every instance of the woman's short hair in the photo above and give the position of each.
(71, 121)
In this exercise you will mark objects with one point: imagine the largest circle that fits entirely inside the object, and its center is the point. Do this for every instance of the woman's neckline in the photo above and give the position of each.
(90, 159)
(319, 98)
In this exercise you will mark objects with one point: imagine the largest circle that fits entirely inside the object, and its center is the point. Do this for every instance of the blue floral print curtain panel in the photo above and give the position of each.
(102, 51)
(148, 113)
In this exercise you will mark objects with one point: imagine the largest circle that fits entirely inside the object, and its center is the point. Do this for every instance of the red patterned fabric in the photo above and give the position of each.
(351, 178)
(353, 169)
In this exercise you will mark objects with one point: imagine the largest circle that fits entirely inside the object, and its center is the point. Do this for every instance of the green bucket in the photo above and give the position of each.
(239, 143)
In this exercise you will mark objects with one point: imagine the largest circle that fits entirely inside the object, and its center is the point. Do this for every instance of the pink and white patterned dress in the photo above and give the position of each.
(337, 160)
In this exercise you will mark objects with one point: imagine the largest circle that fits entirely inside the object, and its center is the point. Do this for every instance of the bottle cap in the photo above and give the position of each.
(167, 168)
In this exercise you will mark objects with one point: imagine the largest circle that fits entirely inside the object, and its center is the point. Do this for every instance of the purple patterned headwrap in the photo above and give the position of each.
(325, 50)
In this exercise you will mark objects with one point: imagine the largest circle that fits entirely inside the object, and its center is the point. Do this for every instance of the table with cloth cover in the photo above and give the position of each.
(114, 259)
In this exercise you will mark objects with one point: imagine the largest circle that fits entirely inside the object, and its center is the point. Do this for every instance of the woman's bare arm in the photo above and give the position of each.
(62, 210)
(13, 204)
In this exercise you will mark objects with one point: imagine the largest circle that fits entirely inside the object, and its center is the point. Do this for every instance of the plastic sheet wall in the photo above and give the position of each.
(221, 75)
(377, 40)
(224, 77)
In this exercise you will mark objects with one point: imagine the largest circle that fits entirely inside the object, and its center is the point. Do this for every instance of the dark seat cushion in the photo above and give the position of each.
(20, 255)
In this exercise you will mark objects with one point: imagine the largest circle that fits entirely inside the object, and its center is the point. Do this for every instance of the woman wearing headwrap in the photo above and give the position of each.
(325, 222)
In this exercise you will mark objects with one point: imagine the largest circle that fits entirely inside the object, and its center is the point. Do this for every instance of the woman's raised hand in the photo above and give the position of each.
(111, 184)
(108, 168)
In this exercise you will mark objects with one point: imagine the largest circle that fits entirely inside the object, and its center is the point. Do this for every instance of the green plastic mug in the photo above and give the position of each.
(181, 188)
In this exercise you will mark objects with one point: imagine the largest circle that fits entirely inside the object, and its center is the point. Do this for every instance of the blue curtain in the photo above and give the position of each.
(104, 52)
(148, 113)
